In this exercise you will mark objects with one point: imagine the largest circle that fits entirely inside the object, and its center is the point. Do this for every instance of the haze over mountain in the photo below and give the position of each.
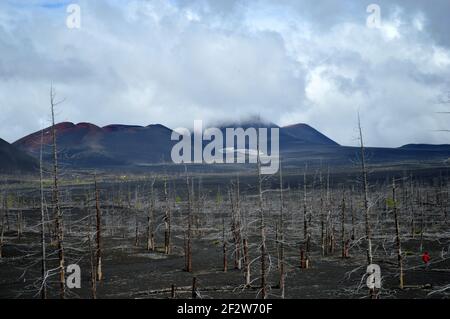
(86, 145)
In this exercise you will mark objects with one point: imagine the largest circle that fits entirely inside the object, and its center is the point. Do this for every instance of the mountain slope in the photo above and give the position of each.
(308, 135)
(87, 145)
(13, 160)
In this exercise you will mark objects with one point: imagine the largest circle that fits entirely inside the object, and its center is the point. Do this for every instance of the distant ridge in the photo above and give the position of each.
(428, 147)
(85, 145)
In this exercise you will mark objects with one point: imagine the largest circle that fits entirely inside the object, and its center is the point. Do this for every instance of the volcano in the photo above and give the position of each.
(85, 145)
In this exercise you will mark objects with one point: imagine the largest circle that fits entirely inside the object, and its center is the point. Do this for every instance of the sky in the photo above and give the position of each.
(175, 61)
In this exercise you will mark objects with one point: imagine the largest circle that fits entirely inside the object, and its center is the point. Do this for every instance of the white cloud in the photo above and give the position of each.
(142, 62)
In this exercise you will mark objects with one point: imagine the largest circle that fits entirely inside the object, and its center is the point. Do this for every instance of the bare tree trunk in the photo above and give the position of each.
(281, 236)
(2, 234)
(172, 292)
(150, 232)
(246, 263)
(56, 205)
(277, 244)
(262, 230)
(236, 225)
(19, 225)
(366, 196)
(353, 216)
(328, 221)
(422, 220)
(411, 208)
(98, 233)
(167, 221)
(233, 220)
(188, 252)
(397, 235)
(136, 220)
(372, 292)
(43, 247)
(322, 218)
(305, 263)
(444, 201)
(194, 288)
(200, 218)
(343, 241)
(6, 207)
(224, 240)
(92, 262)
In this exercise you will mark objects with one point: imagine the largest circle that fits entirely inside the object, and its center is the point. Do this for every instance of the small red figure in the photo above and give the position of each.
(426, 258)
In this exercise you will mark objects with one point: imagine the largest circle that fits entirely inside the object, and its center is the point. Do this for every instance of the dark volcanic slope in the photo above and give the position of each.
(308, 135)
(15, 160)
(87, 145)
(297, 136)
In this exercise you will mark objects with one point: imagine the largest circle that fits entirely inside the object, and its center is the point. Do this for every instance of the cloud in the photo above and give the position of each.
(170, 62)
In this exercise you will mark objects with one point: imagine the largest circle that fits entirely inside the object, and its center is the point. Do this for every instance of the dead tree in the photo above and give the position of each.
(188, 249)
(306, 242)
(263, 248)
(322, 217)
(411, 208)
(238, 228)
(372, 292)
(6, 210)
(150, 217)
(43, 245)
(247, 273)
(352, 210)
(232, 219)
(2, 235)
(167, 221)
(422, 219)
(397, 234)
(224, 241)
(366, 195)
(329, 229)
(92, 260)
(343, 240)
(19, 224)
(199, 208)
(56, 205)
(98, 233)
(443, 200)
(440, 199)
(281, 236)
(194, 288)
(172, 292)
(136, 220)
(236, 223)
